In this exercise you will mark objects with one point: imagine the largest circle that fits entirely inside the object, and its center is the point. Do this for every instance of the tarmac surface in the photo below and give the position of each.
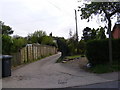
(111, 84)
(46, 73)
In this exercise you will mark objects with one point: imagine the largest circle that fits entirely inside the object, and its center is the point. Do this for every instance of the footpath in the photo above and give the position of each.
(46, 73)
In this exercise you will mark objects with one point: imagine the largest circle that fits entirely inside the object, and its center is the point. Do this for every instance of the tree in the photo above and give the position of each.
(6, 30)
(62, 46)
(18, 43)
(82, 47)
(47, 40)
(93, 34)
(36, 37)
(17, 36)
(6, 39)
(50, 34)
(86, 34)
(101, 33)
(72, 44)
(6, 44)
(105, 9)
(39, 33)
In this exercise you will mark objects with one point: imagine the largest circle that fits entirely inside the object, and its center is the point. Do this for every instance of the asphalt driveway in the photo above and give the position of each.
(46, 73)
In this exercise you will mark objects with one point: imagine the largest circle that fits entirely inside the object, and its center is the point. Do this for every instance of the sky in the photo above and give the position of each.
(56, 16)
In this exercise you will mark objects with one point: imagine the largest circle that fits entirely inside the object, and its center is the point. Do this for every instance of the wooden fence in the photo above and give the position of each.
(32, 52)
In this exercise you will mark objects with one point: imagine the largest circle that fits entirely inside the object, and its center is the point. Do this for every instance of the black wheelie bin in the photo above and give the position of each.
(6, 65)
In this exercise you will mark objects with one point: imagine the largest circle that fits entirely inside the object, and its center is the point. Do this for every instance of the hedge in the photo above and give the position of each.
(97, 51)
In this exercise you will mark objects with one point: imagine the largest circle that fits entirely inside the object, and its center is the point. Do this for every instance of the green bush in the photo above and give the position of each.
(6, 44)
(18, 43)
(105, 68)
(97, 51)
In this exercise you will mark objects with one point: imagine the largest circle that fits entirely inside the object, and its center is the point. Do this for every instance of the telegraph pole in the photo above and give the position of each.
(76, 26)
(76, 31)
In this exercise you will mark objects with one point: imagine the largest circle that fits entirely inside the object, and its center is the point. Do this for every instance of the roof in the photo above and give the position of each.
(117, 25)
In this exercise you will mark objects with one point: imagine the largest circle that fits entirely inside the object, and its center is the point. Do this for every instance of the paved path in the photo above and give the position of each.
(46, 73)
(111, 84)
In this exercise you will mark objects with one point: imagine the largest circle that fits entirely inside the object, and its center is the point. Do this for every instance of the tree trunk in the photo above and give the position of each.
(110, 41)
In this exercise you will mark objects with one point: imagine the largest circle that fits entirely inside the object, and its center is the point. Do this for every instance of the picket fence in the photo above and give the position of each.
(31, 53)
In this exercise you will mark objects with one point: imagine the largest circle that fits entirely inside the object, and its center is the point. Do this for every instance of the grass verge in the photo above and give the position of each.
(72, 57)
(60, 59)
(68, 57)
(105, 68)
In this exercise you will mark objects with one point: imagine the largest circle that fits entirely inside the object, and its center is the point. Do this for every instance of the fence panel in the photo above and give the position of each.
(32, 52)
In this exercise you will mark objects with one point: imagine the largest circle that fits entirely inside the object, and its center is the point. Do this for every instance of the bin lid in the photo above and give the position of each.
(6, 56)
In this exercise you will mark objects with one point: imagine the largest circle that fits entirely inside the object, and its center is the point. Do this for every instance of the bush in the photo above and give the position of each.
(18, 43)
(97, 51)
(101, 68)
(6, 44)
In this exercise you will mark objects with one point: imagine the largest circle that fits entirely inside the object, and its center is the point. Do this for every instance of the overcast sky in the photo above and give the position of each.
(56, 16)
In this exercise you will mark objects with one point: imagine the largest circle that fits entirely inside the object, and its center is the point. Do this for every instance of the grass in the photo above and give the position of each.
(68, 57)
(60, 59)
(72, 57)
(105, 68)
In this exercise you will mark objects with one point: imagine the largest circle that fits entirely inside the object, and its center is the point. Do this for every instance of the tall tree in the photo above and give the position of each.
(18, 43)
(62, 46)
(105, 9)
(86, 34)
(6, 39)
(93, 34)
(36, 37)
(101, 33)
(6, 30)
(47, 40)
(50, 34)
(6, 44)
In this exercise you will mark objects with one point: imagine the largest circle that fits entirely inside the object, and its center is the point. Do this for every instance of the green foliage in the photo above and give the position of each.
(101, 33)
(6, 40)
(92, 34)
(86, 34)
(18, 43)
(48, 40)
(10, 45)
(6, 30)
(105, 68)
(72, 49)
(62, 46)
(72, 46)
(72, 57)
(6, 44)
(97, 51)
(82, 47)
(36, 37)
(41, 38)
(100, 8)
(72, 43)
(105, 9)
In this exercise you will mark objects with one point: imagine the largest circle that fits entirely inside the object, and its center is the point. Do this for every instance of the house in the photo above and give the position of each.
(116, 30)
